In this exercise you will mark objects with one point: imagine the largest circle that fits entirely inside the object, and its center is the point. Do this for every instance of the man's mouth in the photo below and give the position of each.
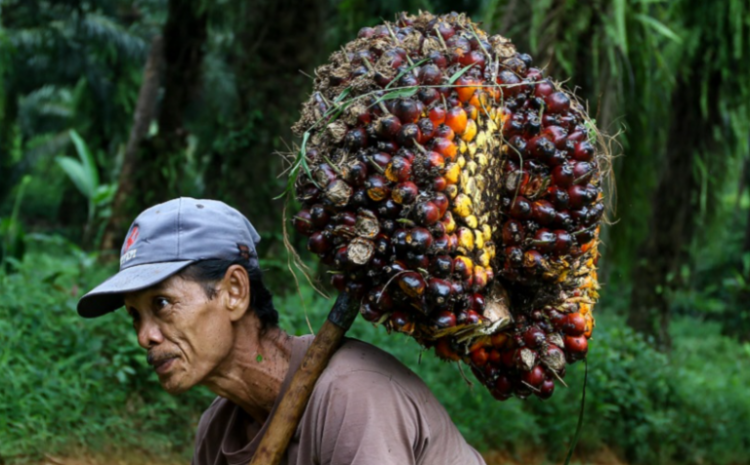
(162, 364)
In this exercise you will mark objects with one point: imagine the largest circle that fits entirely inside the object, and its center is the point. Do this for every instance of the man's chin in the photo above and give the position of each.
(175, 383)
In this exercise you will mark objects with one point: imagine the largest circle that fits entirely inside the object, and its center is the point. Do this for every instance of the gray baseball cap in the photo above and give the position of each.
(168, 237)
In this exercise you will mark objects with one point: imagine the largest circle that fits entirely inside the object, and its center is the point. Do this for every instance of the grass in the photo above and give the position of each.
(70, 383)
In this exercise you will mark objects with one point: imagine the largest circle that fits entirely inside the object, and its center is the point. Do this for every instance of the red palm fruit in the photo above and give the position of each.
(389, 209)
(405, 193)
(463, 267)
(520, 209)
(338, 281)
(546, 389)
(444, 319)
(582, 172)
(324, 175)
(543, 212)
(419, 239)
(388, 126)
(557, 158)
(499, 340)
(434, 161)
(341, 259)
(303, 222)
(417, 261)
(544, 89)
(380, 298)
(576, 347)
(556, 135)
(442, 266)
(438, 292)
(493, 357)
(544, 240)
(426, 130)
(513, 232)
(533, 262)
(584, 151)
(452, 243)
(319, 216)
(318, 243)
(445, 147)
(441, 202)
(437, 115)
(357, 174)
(401, 319)
(480, 278)
(559, 197)
(428, 95)
(503, 387)
(508, 357)
(580, 196)
(407, 111)
(456, 119)
(479, 356)
(457, 287)
(408, 135)
(399, 169)
(355, 139)
(466, 88)
(510, 83)
(427, 213)
(371, 312)
(444, 350)
(377, 187)
(439, 184)
(574, 324)
(535, 377)
(430, 75)
(563, 176)
(381, 159)
(411, 283)
(514, 256)
(563, 242)
(468, 317)
(477, 302)
(533, 337)
(563, 219)
(557, 102)
(441, 242)
(398, 239)
(436, 57)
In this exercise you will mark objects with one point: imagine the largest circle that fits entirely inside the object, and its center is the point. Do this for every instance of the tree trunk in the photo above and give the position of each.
(163, 157)
(673, 210)
(153, 167)
(144, 115)
(276, 41)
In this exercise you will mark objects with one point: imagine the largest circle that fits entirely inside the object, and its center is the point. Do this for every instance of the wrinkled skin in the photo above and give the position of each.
(183, 330)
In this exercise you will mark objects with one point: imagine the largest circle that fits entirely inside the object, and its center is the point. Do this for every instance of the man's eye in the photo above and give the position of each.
(160, 303)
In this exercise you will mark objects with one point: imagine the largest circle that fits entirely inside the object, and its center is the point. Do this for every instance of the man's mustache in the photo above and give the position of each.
(154, 359)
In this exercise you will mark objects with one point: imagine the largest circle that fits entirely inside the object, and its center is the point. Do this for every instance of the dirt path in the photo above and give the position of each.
(603, 457)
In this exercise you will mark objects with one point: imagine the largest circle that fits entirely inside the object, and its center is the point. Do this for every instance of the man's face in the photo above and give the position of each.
(187, 335)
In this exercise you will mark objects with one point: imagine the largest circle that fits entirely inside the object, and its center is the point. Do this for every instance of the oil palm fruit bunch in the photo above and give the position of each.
(458, 192)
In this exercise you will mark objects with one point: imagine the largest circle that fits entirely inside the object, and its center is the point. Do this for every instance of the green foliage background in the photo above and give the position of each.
(670, 80)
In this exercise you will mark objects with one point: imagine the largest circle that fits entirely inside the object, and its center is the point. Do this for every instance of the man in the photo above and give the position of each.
(189, 278)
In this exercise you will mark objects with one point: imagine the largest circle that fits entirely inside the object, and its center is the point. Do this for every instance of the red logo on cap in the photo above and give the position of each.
(131, 238)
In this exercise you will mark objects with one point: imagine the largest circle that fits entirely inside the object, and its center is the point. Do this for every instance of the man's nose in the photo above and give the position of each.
(149, 334)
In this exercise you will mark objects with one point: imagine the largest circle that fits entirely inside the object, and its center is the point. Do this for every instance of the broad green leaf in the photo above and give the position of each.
(622, 35)
(658, 26)
(77, 173)
(87, 159)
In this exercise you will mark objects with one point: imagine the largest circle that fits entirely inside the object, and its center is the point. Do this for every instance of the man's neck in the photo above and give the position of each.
(254, 370)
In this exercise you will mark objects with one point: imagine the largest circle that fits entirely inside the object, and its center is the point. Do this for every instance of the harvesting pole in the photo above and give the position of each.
(284, 422)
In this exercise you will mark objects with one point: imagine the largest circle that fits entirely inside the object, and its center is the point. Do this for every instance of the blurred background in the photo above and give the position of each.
(110, 106)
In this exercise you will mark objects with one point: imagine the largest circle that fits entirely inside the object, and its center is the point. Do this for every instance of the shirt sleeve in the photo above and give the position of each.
(366, 418)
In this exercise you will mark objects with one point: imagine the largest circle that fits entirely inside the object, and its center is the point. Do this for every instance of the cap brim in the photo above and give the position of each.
(108, 296)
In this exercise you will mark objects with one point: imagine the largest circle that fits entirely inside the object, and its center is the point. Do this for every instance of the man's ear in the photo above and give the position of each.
(236, 284)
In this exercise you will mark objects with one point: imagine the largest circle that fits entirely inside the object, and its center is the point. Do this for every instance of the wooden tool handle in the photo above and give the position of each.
(292, 406)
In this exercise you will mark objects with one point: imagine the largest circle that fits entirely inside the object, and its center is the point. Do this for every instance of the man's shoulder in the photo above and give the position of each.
(219, 408)
(360, 363)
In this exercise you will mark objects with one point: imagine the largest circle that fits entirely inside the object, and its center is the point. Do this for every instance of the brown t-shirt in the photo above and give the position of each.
(366, 408)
